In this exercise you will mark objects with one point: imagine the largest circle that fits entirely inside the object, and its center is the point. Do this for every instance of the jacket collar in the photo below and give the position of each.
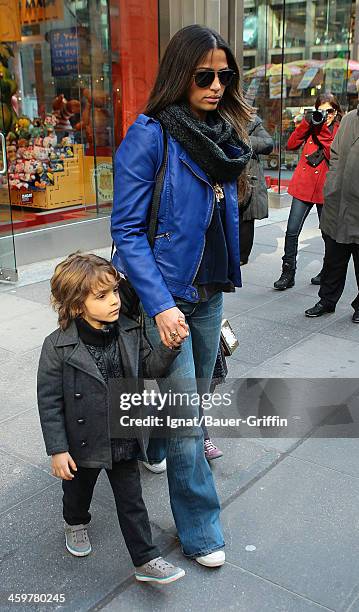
(230, 150)
(70, 336)
(79, 357)
(188, 161)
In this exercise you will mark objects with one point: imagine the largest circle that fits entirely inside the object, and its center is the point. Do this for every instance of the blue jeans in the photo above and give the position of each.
(298, 213)
(194, 500)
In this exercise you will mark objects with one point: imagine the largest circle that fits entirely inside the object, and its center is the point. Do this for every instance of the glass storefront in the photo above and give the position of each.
(292, 52)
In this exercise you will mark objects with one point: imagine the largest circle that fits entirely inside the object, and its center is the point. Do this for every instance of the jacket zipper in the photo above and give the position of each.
(212, 211)
(204, 243)
(164, 235)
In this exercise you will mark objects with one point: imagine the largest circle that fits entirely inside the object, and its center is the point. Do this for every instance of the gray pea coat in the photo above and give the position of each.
(340, 216)
(74, 399)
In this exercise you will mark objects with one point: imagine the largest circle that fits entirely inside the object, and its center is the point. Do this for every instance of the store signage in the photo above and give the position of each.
(33, 11)
(27, 198)
(307, 78)
(64, 52)
(10, 27)
(104, 175)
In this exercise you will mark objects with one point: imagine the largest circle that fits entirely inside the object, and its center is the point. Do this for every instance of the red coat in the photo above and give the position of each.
(307, 182)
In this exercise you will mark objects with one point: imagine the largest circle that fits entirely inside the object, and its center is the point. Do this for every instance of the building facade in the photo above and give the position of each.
(75, 73)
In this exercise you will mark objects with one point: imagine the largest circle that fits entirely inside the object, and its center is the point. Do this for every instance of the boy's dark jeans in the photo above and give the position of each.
(131, 510)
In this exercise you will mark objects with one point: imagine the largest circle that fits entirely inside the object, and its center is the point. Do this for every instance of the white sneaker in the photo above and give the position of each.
(214, 559)
(156, 468)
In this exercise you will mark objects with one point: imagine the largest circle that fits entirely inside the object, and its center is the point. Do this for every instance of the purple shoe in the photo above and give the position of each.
(211, 451)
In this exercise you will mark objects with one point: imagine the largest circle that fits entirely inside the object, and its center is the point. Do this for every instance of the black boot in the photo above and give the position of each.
(286, 279)
(316, 279)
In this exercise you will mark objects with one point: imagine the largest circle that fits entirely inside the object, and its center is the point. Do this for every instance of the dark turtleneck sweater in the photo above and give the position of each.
(103, 346)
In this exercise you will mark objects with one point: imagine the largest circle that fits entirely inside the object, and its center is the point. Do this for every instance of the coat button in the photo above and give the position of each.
(78, 395)
(83, 443)
(310, 142)
(316, 172)
(81, 421)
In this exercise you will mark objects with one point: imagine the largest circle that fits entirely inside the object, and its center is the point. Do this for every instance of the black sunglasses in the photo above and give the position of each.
(205, 78)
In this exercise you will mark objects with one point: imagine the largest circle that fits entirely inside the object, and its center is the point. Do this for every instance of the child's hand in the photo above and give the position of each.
(61, 464)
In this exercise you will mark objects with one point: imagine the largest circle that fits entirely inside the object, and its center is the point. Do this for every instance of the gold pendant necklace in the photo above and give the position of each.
(218, 192)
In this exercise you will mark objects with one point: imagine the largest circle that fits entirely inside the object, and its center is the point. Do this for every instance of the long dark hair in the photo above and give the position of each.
(188, 47)
(333, 101)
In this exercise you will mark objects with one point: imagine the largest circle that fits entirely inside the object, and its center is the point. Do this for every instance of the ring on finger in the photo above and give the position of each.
(173, 334)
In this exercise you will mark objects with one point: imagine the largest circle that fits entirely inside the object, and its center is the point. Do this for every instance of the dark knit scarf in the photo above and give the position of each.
(205, 141)
(102, 344)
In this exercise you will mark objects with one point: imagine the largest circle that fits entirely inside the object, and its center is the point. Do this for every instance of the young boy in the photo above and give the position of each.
(93, 345)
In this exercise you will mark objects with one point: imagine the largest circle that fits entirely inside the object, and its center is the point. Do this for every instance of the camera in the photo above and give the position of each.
(319, 116)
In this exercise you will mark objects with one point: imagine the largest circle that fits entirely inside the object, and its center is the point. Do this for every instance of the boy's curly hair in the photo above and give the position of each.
(73, 280)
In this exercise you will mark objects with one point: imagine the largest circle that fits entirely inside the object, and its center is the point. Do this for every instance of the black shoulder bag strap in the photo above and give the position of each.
(156, 197)
(320, 151)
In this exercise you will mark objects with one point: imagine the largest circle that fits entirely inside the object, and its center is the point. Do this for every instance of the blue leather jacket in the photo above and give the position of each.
(185, 213)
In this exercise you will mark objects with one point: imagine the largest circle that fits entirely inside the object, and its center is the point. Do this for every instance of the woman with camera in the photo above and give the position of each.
(316, 132)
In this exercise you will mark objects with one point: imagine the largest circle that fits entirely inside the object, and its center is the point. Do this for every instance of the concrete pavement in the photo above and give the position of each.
(289, 505)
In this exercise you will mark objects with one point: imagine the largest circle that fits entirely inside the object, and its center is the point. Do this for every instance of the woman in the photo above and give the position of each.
(198, 102)
(306, 185)
(257, 205)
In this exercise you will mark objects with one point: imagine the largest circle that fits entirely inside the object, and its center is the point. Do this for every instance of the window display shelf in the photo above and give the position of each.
(67, 190)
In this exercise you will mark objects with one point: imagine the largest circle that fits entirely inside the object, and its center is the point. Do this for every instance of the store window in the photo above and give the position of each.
(74, 74)
(57, 115)
(301, 50)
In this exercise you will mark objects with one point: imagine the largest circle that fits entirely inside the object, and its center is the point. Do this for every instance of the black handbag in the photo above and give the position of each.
(130, 302)
(317, 157)
(227, 345)
(220, 369)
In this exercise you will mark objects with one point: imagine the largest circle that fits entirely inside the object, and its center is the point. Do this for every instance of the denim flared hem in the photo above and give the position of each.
(204, 552)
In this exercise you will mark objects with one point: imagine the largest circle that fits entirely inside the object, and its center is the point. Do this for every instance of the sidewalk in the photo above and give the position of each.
(295, 501)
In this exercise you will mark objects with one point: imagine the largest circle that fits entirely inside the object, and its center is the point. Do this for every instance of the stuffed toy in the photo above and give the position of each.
(63, 110)
(11, 147)
(23, 128)
(37, 129)
(8, 116)
(97, 116)
(40, 176)
(29, 171)
(50, 140)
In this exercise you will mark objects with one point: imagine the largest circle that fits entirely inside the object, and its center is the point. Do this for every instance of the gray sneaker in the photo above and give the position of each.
(158, 570)
(77, 540)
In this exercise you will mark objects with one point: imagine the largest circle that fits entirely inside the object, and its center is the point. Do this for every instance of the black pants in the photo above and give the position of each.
(131, 510)
(246, 238)
(334, 271)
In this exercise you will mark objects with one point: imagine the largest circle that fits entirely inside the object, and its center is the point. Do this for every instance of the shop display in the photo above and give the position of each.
(54, 183)
(35, 159)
